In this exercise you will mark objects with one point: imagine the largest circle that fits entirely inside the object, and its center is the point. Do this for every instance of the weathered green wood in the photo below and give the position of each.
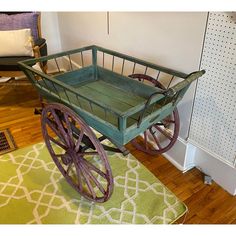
(141, 106)
(77, 77)
(121, 137)
(84, 104)
(115, 93)
(133, 131)
(97, 123)
(133, 119)
(103, 98)
(107, 101)
(56, 55)
(114, 53)
(183, 84)
(141, 62)
(94, 61)
(122, 124)
(132, 86)
(72, 90)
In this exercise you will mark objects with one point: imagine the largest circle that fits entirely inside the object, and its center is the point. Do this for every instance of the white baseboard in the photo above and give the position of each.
(222, 173)
(185, 155)
(176, 155)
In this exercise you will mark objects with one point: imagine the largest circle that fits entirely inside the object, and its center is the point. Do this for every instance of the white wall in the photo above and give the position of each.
(170, 39)
(50, 31)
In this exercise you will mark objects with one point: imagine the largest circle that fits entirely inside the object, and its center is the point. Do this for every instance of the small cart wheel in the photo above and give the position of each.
(159, 137)
(77, 152)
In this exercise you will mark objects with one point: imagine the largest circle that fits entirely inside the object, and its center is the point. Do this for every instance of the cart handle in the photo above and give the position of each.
(190, 78)
(147, 105)
(171, 91)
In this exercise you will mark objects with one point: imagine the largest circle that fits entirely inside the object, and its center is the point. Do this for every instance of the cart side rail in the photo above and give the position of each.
(165, 97)
(57, 55)
(95, 49)
(137, 61)
(95, 57)
(64, 92)
(52, 87)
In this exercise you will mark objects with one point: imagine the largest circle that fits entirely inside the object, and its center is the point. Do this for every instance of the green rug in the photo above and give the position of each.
(33, 191)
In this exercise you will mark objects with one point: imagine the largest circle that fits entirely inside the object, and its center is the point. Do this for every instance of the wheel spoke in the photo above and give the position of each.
(87, 180)
(78, 143)
(59, 155)
(169, 121)
(68, 168)
(52, 125)
(145, 140)
(155, 138)
(69, 130)
(100, 187)
(163, 132)
(79, 172)
(57, 143)
(92, 167)
(60, 127)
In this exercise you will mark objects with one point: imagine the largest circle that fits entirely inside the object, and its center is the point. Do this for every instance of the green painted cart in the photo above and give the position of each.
(123, 98)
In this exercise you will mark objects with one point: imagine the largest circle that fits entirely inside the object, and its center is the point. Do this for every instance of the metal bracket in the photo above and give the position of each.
(207, 180)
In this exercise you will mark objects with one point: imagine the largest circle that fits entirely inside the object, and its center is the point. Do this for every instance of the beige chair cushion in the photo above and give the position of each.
(16, 43)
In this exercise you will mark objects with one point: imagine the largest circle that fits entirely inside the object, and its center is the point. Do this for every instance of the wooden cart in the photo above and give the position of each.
(123, 98)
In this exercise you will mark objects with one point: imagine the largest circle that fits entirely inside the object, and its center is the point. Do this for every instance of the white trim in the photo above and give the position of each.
(176, 155)
(220, 171)
(174, 162)
(211, 153)
(189, 157)
(186, 155)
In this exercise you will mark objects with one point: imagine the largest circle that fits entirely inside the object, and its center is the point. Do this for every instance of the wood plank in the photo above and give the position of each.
(130, 85)
(77, 77)
(103, 98)
(116, 93)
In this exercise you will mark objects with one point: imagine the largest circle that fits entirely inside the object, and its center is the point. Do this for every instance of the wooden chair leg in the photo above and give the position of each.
(38, 111)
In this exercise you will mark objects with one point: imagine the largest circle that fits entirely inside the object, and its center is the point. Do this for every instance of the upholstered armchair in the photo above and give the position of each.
(15, 21)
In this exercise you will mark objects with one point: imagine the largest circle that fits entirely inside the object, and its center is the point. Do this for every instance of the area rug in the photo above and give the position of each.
(33, 191)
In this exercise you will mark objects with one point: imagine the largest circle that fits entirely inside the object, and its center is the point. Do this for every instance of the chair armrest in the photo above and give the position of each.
(40, 47)
(40, 50)
(39, 42)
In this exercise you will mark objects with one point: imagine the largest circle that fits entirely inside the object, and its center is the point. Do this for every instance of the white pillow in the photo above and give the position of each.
(16, 43)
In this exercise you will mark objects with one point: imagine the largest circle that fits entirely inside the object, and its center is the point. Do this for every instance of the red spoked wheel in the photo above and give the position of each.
(77, 152)
(159, 137)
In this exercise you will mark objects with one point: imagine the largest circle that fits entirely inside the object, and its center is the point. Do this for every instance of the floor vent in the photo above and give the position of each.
(6, 142)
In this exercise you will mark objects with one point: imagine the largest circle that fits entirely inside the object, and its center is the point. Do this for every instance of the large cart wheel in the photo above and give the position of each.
(159, 137)
(77, 152)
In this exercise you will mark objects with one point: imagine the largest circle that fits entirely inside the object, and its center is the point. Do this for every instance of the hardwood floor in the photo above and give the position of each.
(206, 204)
(17, 105)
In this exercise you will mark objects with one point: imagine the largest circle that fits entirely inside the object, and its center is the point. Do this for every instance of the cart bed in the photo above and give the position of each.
(116, 93)
(102, 93)
(110, 96)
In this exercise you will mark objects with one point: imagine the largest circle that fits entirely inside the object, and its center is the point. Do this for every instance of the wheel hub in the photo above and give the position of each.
(67, 157)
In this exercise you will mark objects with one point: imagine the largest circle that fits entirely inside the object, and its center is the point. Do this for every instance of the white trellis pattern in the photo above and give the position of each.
(31, 185)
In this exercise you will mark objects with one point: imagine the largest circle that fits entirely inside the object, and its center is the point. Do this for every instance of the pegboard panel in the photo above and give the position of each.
(213, 124)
